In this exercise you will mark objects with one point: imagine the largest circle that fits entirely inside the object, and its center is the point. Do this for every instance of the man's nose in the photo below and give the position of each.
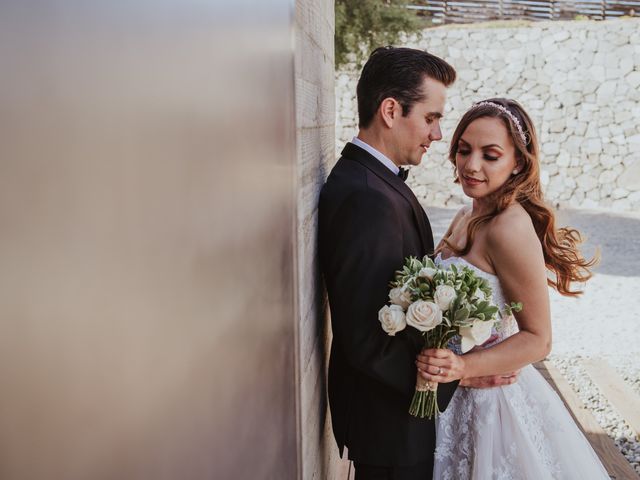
(436, 133)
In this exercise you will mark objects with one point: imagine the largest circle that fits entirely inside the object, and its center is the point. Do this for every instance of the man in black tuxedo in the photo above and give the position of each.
(369, 222)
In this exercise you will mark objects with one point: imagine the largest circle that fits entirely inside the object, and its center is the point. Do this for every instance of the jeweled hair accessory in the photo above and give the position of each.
(506, 111)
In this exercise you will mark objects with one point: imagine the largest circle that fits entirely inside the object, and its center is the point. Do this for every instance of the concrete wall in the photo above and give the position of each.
(315, 132)
(578, 80)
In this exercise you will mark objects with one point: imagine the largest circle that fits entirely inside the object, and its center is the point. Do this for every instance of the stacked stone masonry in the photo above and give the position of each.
(579, 81)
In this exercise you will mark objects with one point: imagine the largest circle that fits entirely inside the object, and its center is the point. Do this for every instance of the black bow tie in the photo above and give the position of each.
(403, 173)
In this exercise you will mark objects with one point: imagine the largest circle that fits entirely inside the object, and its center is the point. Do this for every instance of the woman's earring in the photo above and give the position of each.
(516, 171)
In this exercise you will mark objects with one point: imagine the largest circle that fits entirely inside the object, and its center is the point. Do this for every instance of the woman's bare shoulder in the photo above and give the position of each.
(512, 229)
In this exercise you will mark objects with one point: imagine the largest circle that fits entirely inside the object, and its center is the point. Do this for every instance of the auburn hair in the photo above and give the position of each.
(559, 245)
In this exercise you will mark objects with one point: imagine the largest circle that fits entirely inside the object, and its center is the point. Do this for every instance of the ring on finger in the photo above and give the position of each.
(439, 371)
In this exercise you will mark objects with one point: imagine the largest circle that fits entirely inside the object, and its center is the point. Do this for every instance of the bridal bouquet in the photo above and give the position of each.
(440, 303)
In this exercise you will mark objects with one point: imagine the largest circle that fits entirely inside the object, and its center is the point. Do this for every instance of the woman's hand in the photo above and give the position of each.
(440, 365)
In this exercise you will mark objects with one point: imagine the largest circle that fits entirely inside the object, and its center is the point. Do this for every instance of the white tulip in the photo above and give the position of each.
(476, 334)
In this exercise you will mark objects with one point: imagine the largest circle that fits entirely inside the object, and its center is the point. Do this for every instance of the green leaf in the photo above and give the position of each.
(461, 315)
(491, 311)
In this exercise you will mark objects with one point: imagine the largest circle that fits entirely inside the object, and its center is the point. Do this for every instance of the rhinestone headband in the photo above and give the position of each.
(504, 110)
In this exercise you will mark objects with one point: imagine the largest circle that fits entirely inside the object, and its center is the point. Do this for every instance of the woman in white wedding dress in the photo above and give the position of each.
(508, 236)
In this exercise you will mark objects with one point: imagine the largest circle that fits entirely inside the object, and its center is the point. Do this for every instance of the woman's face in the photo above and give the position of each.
(486, 157)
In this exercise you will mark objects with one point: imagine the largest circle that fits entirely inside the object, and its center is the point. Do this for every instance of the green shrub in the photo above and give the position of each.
(363, 25)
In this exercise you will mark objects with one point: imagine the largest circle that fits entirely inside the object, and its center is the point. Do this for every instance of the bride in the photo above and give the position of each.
(508, 236)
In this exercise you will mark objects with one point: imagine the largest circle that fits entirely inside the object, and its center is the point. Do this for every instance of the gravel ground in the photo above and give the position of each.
(601, 323)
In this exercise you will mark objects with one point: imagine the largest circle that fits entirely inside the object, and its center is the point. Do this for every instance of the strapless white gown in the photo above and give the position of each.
(520, 431)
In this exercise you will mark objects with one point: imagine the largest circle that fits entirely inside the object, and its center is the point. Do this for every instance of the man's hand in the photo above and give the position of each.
(490, 381)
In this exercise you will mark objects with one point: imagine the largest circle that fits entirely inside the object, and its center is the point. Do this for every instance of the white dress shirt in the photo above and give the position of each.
(386, 161)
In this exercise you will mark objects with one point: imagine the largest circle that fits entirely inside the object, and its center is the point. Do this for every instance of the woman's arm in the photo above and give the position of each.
(516, 254)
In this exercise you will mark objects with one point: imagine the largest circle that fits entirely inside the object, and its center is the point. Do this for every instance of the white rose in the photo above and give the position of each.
(444, 296)
(399, 296)
(478, 333)
(392, 319)
(427, 272)
(424, 316)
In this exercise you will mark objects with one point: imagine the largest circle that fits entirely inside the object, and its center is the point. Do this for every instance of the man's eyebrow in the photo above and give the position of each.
(434, 114)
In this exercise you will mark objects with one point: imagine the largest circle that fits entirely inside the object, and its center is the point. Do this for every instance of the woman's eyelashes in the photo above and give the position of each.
(486, 156)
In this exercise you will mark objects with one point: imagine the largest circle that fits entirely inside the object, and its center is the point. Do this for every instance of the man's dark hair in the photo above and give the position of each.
(398, 73)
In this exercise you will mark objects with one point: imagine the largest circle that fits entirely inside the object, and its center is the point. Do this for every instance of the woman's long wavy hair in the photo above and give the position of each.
(560, 246)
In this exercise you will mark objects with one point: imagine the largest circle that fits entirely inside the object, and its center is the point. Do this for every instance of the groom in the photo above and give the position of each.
(369, 221)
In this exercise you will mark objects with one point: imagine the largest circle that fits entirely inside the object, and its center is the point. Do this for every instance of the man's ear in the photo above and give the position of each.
(389, 111)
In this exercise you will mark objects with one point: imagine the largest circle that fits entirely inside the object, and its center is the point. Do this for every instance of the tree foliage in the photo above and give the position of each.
(363, 25)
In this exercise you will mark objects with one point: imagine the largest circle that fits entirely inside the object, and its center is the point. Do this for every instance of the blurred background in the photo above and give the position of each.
(148, 237)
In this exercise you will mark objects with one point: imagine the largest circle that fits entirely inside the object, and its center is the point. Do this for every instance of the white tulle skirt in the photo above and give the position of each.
(520, 431)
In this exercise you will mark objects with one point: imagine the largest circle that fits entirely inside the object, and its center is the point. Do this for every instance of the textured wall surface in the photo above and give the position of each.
(315, 115)
(578, 80)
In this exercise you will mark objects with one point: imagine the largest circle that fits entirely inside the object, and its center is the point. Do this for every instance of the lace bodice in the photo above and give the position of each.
(504, 327)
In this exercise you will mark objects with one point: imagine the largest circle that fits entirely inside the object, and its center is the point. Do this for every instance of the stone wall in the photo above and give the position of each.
(579, 81)
(315, 139)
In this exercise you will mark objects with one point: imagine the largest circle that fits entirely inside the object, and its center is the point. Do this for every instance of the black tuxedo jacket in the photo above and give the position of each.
(369, 221)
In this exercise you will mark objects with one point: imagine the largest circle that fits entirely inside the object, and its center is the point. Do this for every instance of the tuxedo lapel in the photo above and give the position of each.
(353, 152)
